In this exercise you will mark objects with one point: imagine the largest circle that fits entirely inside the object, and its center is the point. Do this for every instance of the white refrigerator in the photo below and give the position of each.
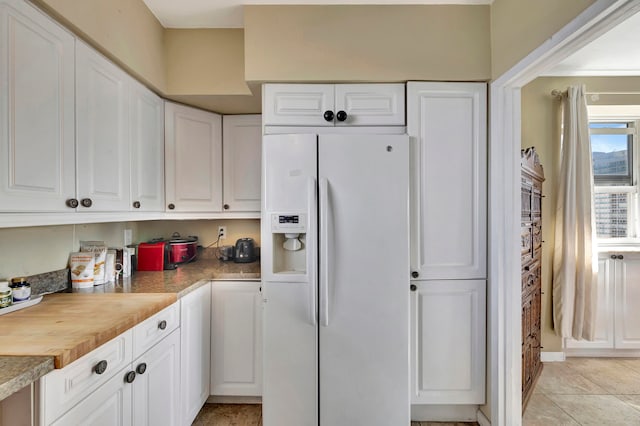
(335, 271)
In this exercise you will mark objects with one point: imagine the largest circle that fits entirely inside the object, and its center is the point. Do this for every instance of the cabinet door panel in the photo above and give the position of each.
(604, 337)
(297, 104)
(193, 159)
(370, 104)
(236, 339)
(102, 123)
(63, 388)
(448, 124)
(448, 342)
(109, 405)
(147, 149)
(37, 133)
(242, 140)
(156, 392)
(195, 328)
(627, 302)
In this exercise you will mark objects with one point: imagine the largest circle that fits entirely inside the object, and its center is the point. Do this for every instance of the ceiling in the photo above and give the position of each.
(615, 53)
(228, 13)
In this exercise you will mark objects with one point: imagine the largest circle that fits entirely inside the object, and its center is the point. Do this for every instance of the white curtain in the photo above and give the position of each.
(575, 274)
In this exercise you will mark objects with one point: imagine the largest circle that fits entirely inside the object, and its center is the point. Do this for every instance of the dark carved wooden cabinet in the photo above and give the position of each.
(531, 250)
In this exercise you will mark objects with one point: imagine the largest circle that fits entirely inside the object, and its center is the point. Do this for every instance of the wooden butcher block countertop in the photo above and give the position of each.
(68, 326)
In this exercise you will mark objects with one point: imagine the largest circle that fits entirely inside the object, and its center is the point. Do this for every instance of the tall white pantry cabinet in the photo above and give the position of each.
(448, 126)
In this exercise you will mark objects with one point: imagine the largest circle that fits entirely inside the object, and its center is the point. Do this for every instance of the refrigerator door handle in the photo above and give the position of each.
(324, 252)
(312, 248)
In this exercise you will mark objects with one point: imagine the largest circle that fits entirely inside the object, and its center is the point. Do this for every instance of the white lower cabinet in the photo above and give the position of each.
(109, 405)
(195, 324)
(448, 342)
(109, 387)
(618, 304)
(156, 387)
(236, 339)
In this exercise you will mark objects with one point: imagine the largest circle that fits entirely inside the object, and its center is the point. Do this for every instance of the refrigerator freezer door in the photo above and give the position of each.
(290, 334)
(364, 341)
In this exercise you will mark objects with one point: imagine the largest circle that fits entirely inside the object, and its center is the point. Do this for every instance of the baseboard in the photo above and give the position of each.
(552, 356)
(214, 399)
(609, 353)
(482, 419)
(444, 413)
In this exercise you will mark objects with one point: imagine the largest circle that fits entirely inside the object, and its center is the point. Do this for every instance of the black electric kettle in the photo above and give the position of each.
(245, 251)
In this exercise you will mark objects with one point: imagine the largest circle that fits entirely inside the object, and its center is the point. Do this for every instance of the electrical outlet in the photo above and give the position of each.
(128, 237)
(222, 232)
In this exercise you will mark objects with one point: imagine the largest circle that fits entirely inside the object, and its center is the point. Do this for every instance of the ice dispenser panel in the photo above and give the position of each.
(288, 231)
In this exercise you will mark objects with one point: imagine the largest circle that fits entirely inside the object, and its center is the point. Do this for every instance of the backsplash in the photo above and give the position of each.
(35, 250)
(205, 230)
(49, 282)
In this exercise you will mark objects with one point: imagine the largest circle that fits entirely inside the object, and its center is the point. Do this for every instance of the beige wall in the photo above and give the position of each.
(125, 30)
(205, 62)
(540, 128)
(205, 68)
(367, 43)
(520, 26)
(35, 250)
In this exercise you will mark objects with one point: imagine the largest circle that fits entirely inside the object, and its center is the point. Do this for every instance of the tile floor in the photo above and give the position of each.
(586, 391)
(251, 415)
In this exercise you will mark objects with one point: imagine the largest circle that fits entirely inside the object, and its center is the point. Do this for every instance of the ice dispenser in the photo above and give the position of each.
(289, 232)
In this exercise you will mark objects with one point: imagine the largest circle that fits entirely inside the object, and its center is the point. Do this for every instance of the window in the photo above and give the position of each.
(613, 146)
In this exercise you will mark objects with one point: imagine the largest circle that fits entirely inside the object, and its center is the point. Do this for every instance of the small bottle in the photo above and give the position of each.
(21, 290)
(5, 294)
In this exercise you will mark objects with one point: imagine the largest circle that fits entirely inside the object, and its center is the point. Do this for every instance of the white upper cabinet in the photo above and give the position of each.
(37, 133)
(242, 164)
(333, 105)
(369, 105)
(147, 149)
(193, 159)
(448, 126)
(297, 104)
(102, 132)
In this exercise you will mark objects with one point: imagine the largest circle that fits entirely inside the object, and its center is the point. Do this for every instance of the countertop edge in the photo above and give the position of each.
(25, 376)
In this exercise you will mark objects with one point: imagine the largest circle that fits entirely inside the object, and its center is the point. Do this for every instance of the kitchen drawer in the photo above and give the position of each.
(62, 389)
(155, 328)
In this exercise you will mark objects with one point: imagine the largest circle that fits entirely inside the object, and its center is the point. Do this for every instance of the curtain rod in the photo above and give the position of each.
(559, 93)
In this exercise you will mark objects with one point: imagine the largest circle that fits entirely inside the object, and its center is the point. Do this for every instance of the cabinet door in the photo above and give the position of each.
(236, 339)
(37, 133)
(447, 122)
(298, 104)
(193, 159)
(147, 150)
(195, 341)
(627, 302)
(370, 104)
(156, 391)
(604, 337)
(242, 140)
(448, 342)
(109, 405)
(102, 126)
